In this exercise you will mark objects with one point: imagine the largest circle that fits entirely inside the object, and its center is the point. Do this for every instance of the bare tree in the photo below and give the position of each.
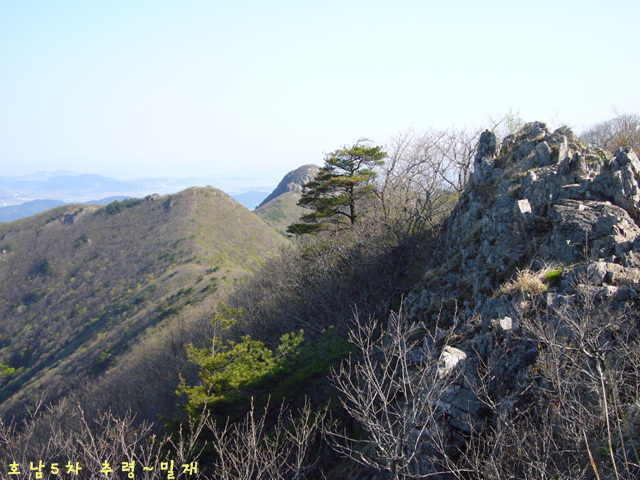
(251, 450)
(423, 174)
(589, 376)
(621, 131)
(507, 124)
(576, 414)
(103, 446)
(391, 390)
(22, 442)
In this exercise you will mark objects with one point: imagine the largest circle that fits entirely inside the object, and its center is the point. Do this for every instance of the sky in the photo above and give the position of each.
(254, 89)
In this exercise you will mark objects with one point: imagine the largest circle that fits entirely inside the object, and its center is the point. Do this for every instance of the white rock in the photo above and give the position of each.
(450, 359)
(524, 206)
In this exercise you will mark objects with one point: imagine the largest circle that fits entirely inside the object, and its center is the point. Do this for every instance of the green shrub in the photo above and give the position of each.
(553, 275)
(43, 267)
(116, 206)
(6, 371)
(235, 374)
(32, 297)
(83, 239)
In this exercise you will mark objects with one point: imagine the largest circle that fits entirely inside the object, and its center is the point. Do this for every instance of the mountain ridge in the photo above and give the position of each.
(79, 283)
(71, 187)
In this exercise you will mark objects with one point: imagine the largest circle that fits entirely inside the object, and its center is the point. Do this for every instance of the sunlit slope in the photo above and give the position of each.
(280, 209)
(78, 284)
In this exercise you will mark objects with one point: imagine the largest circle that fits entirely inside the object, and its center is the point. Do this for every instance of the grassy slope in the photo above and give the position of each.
(79, 284)
(282, 211)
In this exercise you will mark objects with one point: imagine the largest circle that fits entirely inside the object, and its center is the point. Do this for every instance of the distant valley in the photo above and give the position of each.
(23, 196)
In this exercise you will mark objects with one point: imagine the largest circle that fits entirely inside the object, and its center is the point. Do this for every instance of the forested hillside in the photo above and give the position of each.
(79, 284)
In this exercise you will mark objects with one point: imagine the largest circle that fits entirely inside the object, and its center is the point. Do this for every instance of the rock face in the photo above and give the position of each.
(540, 212)
(280, 209)
(540, 199)
(293, 182)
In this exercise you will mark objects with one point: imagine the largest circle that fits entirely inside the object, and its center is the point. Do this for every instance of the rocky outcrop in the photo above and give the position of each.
(540, 212)
(281, 209)
(293, 181)
(541, 199)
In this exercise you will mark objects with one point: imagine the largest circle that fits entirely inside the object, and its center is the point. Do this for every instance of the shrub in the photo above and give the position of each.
(526, 281)
(234, 376)
(116, 206)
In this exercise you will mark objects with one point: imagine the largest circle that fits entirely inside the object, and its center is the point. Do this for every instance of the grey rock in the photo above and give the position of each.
(451, 359)
(546, 199)
(293, 181)
(543, 154)
(525, 149)
(535, 130)
(488, 145)
(507, 324)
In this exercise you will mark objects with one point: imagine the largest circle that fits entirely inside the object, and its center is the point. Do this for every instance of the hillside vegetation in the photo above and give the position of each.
(466, 310)
(79, 284)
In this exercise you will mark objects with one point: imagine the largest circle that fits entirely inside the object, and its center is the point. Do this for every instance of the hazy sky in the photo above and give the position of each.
(258, 88)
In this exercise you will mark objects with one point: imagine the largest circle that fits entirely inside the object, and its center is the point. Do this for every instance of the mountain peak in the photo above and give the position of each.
(293, 181)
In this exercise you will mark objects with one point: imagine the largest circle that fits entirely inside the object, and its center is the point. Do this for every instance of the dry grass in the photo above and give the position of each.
(530, 282)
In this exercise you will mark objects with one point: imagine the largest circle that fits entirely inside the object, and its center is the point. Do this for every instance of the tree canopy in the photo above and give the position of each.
(336, 192)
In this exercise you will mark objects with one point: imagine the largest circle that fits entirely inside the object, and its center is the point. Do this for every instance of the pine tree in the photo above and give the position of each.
(336, 192)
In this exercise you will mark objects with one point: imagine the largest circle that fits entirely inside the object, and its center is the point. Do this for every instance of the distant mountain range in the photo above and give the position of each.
(21, 197)
(16, 212)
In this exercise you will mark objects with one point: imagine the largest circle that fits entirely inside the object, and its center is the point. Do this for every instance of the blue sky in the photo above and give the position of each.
(257, 88)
